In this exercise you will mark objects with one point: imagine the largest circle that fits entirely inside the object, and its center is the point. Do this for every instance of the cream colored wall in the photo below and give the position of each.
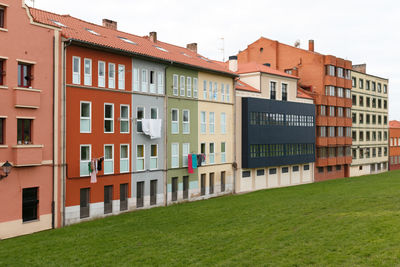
(17, 227)
(252, 79)
(215, 78)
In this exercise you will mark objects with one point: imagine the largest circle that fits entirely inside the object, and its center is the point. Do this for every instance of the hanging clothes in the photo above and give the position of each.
(155, 128)
(93, 174)
(194, 161)
(190, 166)
(199, 160)
(100, 163)
(146, 126)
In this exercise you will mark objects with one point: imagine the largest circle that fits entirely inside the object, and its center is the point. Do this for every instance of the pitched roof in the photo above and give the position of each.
(245, 87)
(303, 94)
(76, 29)
(255, 67)
(394, 124)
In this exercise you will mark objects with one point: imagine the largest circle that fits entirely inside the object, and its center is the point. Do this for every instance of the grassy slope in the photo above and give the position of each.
(344, 222)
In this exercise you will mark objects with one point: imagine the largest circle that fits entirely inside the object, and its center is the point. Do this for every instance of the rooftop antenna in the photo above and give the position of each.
(222, 49)
(297, 43)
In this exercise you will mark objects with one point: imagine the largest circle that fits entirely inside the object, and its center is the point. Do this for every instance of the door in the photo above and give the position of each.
(123, 197)
(203, 184)
(211, 183)
(185, 187)
(84, 203)
(108, 196)
(174, 188)
(139, 194)
(222, 181)
(153, 192)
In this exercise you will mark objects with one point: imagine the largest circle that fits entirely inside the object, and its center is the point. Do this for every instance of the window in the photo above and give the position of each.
(340, 92)
(322, 131)
(222, 92)
(361, 83)
(211, 183)
(211, 155)
(85, 159)
(85, 119)
(306, 167)
(139, 117)
(323, 111)
(76, 71)
(246, 174)
(223, 123)
(361, 136)
(330, 90)
(348, 93)
(152, 82)
(272, 171)
(108, 159)
(185, 193)
(353, 82)
(124, 159)
(189, 86)
(153, 192)
(367, 85)
(175, 155)
(223, 152)
(320, 169)
(284, 92)
(285, 169)
(330, 70)
(340, 73)
(139, 194)
(385, 104)
(140, 157)
(174, 121)
(361, 118)
(111, 75)
(123, 197)
(124, 119)
(215, 91)
(121, 77)
(108, 196)
(24, 131)
(185, 121)
(331, 131)
(174, 196)
(340, 111)
(203, 123)
(153, 157)
(348, 112)
(354, 100)
(88, 72)
(223, 181)
(195, 88)
(273, 90)
(182, 85)
(108, 118)
(361, 101)
(175, 84)
(204, 89)
(379, 87)
(210, 90)
(30, 204)
(153, 113)
(260, 172)
(2, 11)
(385, 89)
(354, 118)
(144, 80)
(332, 111)
(227, 93)
(373, 86)
(212, 122)
(101, 74)
(2, 121)
(295, 168)
(379, 103)
(160, 83)
(25, 75)
(185, 153)
(84, 202)
(136, 81)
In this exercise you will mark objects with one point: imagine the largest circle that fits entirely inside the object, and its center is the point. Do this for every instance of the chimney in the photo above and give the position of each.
(110, 24)
(153, 37)
(360, 68)
(311, 45)
(192, 47)
(233, 63)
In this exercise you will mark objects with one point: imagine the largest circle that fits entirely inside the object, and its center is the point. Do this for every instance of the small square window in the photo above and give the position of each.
(272, 171)
(285, 169)
(24, 129)
(260, 172)
(329, 168)
(295, 168)
(25, 76)
(320, 169)
(306, 167)
(246, 174)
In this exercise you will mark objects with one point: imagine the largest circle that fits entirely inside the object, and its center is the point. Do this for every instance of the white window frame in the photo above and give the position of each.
(195, 88)
(211, 155)
(111, 75)
(160, 83)
(153, 85)
(222, 92)
(121, 119)
(227, 93)
(121, 77)
(154, 157)
(223, 123)
(185, 153)
(182, 85)
(189, 86)
(175, 122)
(109, 119)
(136, 79)
(212, 123)
(185, 123)
(154, 108)
(210, 90)
(175, 84)
(121, 159)
(86, 118)
(215, 96)
(141, 158)
(76, 75)
(205, 89)
(101, 81)
(223, 153)
(203, 123)
(87, 76)
(145, 80)
(109, 160)
(85, 162)
(175, 156)
(137, 118)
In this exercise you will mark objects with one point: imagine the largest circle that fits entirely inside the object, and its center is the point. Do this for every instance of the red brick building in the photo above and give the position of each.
(328, 79)
(394, 145)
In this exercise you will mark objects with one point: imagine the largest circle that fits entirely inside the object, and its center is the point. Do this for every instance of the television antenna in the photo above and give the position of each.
(222, 49)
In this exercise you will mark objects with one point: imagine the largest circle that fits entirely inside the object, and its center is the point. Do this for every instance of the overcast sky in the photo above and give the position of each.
(363, 31)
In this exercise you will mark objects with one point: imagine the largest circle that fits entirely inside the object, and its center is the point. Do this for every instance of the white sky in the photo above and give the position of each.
(364, 31)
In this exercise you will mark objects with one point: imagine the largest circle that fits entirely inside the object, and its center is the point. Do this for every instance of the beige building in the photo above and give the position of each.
(370, 122)
(258, 81)
(216, 134)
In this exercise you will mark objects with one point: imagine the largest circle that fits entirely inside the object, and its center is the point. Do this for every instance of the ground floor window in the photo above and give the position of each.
(185, 187)
(30, 204)
(123, 197)
(222, 181)
(211, 187)
(84, 202)
(320, 169)
(174, 188)
(139, 194)
(108, 196)
(153, 192)
(203, 184)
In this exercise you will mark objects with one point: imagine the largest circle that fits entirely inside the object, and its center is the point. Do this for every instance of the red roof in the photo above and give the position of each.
(255, 67)
(394, 124)
(245, 87)
(303, 94)
(80, 30)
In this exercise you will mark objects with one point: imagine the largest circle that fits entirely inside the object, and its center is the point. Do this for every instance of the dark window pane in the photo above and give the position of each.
(139, 194)
(174, 188)
(29, 203)
(123, 197)
(185, 187)
(108, 196)
(84, 202)
(153, 192)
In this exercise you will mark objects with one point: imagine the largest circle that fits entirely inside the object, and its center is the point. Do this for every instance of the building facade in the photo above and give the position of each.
(370, 122)
(328, 79)
(394, 145)
(29, 127)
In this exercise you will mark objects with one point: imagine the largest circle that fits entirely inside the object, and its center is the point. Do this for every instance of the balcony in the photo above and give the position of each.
(331, 141)
(340, 82)
(321, 162)
(330, 80)
(340, 121)
(329, 60)
(331, 100)
(26, 97)
(27, 155)
(340, 160)
(347, 83)
(332, 161)
(332, 121)
(322, 120)
(322, 141)
(348, 102)
(341, 141)
(348, 122)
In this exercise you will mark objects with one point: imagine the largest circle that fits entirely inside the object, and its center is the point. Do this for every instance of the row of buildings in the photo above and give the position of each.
(96, 121)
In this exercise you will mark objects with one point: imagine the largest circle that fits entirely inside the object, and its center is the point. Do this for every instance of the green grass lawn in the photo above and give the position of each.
(346, 222)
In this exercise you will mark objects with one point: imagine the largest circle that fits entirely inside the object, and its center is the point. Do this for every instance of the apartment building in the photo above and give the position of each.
(394, 145)
(370, 122)
(328, 80)
(29, 126)
(275, 129)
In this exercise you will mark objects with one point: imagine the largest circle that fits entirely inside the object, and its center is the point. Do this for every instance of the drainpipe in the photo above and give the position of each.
(53, 169)
(165, 139)
(234, 137)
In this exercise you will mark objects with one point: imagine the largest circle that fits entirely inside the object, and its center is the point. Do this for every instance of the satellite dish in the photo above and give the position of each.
(297, 43)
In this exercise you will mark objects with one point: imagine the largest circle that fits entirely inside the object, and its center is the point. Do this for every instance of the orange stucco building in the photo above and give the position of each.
(394, 145)
(328, 80)
(29, 122)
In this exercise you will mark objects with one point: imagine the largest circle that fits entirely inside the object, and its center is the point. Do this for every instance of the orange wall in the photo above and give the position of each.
(97, 138)
(394, 150)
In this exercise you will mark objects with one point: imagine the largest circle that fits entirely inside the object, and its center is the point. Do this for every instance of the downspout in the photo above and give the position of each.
(234, 136)
(53, 165)
(166, 139)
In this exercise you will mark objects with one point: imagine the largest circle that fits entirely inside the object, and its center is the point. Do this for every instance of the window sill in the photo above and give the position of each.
(3, 146)
(31, 221)
(3, 87)
(27, 89)
(28, 146)
(3, 30)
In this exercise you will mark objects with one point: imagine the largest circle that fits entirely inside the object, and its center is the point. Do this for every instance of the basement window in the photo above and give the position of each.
(92, 31)
(127, 40)
(29, 204)
(58, 23)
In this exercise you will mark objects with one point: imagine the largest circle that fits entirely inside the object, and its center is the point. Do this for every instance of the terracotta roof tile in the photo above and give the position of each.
(245, 87)
(255, 67)
(303, 94)
(394, 124)
(79, 30)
